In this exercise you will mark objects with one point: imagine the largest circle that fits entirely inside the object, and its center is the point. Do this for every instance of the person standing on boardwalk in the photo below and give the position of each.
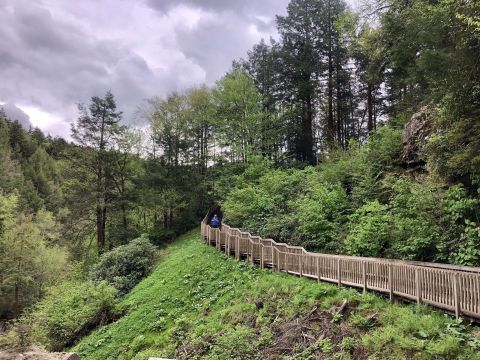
(215, 216)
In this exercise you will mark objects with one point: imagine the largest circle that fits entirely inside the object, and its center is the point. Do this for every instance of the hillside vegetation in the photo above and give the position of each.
(352, 132)
(200, 304)
(359, 202)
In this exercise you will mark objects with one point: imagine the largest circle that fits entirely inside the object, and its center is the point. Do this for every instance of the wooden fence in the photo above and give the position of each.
(448, 287)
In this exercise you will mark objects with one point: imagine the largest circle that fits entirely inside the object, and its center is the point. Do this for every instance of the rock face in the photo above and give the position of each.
(415, 137)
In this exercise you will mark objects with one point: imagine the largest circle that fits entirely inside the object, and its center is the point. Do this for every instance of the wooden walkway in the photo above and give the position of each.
(448, 287)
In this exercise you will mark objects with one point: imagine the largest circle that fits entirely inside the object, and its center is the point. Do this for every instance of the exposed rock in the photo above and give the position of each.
(414, 138)
(70, 356)
(37, 353)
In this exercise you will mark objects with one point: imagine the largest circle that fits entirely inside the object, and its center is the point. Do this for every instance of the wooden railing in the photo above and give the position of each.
(448, 287)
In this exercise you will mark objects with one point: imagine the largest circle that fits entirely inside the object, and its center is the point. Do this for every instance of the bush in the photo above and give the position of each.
(68, 312)
(321, 216)
(162, 236)
(416, 217)
(462, 214)
(370, 230)
(126, 265)
(263, 203)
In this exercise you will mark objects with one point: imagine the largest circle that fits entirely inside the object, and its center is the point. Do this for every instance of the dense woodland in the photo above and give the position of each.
(300, 141)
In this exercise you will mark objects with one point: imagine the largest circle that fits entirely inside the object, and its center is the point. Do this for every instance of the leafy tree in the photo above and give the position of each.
(200, 112)
(239, 115)
(126, 169)
(29, 259)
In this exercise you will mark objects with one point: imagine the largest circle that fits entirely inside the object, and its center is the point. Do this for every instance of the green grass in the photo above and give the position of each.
(199, 303)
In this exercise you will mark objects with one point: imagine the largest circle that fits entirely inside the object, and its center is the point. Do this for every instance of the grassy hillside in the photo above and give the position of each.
(199, 303)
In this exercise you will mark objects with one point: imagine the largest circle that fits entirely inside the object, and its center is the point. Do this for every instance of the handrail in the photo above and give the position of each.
(449, 287)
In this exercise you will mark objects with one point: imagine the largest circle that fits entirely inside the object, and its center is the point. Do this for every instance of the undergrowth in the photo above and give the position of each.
(199, 303)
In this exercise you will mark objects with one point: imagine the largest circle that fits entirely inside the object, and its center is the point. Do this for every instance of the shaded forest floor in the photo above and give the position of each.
(198, 303)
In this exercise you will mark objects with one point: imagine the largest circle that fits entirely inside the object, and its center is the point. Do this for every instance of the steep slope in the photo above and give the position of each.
(200, 304)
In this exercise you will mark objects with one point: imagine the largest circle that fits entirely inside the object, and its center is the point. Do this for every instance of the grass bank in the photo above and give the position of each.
(199, 303)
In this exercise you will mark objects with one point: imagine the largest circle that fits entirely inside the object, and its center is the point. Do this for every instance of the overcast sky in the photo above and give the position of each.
(57, 53)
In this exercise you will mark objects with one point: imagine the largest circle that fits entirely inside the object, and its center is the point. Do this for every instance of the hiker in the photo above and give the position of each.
(215, 216)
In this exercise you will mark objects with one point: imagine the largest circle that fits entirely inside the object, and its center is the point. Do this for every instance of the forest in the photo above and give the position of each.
(355, 132)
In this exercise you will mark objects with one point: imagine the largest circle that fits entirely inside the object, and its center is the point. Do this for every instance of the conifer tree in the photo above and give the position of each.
(96, 130)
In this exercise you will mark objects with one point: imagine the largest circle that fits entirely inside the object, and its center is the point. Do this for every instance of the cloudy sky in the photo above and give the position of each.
(57, 53)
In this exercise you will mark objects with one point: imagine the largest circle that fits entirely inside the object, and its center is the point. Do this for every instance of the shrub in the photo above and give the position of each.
(320, 214)
(370, 230)
(69, 311)
(126, 265)
(462, 214)
(416, 217)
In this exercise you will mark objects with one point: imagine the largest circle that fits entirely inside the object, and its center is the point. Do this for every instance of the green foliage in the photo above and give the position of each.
(428, 335)
(68, 311)
(262, 200)
(463, 216)
(321, 215)
(239, 115)
(360, 203)
(124, 266)
(416, 215)
(370, 230)
(30, 259)
(199, 304)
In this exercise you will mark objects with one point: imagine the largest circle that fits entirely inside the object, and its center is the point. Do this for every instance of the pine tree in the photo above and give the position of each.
(96, 130)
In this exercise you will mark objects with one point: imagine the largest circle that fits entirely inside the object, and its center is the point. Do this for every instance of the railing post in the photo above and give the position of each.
(251, 249)
(274, 257)
(339, 272)
(418, 285)
(390, 282)
(318, 268)
(237, 247)
(364, 276)
(262, 264)
(456, 294)
(301, 263)
(227, 242)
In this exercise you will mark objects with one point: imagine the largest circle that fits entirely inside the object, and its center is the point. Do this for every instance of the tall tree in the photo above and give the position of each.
(301, 67)
(239, 115)
(96, 130)
(263, 65)
(200, 114)
(125, 170)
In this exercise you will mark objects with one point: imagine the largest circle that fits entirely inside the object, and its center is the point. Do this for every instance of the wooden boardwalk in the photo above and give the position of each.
(448, 287)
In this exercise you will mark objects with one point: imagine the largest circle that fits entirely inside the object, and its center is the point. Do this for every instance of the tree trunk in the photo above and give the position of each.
(125, 223)
(330, 120)
(308, 155)
(100, 229)
(17, 300)
(165, 220)
(100, 210)
(370, 125)
(339, 104)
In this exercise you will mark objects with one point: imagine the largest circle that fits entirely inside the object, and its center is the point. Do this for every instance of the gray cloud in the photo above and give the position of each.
(248, 7)
(226, 32)
(15, 113)
(55, 54)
